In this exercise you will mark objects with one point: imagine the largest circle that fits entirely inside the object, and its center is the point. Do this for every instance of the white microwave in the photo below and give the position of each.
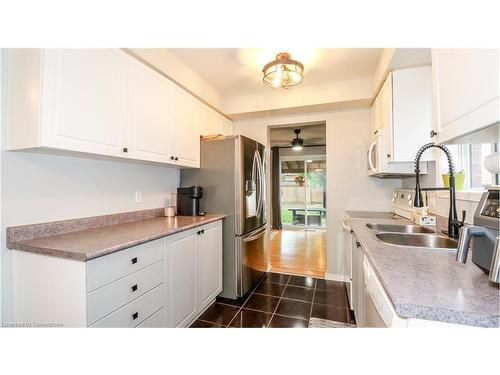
(378, 162)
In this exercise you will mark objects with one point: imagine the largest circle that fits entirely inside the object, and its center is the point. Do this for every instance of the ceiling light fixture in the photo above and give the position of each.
(283, 72)
(297, 143)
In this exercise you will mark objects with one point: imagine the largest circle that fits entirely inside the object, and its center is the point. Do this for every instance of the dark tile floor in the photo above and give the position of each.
(280, 301)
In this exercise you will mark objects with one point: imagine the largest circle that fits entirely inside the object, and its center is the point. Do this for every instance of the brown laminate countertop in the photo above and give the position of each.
(88, 244)
(428, 284)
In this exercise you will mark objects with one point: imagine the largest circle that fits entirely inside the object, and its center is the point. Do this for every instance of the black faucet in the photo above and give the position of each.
(454, 224)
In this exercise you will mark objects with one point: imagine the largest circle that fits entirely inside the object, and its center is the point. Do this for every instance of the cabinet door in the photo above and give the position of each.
(181, 301)
(465, 84)
(187, 125)
(412, 113)
(151, 132)
(209, 121)
(84, 100)
(209, 264)
(226, 126)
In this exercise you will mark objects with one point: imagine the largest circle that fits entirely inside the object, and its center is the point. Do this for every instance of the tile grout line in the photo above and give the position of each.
(279, 301)
(312, 302)
(243, 304)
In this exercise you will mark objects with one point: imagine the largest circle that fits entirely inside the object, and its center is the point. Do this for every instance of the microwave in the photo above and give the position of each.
(379, 164)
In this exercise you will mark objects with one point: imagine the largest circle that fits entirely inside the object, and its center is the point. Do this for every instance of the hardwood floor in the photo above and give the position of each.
(298, 252)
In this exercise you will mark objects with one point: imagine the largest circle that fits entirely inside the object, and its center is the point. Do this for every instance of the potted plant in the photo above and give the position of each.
(299, 179)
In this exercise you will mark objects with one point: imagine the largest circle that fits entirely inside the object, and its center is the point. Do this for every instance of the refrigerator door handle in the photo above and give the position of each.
(253, 236)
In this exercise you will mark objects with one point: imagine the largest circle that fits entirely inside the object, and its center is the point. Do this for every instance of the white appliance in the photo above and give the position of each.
(347, 250)
(402, 202)
(378, 162)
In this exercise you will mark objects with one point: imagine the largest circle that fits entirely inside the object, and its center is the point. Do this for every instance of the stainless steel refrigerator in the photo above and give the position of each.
(232, 174)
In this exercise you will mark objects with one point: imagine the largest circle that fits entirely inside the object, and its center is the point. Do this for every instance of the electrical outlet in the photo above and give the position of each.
(138, 196)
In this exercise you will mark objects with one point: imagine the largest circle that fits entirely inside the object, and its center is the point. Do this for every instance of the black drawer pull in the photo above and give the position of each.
(134, 288)
(198, 233)
(202, 231)
(135, 315)
(134, 260)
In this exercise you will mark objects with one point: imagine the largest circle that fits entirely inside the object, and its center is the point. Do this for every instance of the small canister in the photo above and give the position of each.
(170, 211)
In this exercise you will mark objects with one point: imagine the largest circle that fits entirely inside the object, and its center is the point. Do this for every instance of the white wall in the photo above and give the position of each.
(348, 186)
(42, 187)
(301, 96)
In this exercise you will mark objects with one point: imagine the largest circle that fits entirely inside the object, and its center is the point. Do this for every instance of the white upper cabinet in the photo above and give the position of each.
(403, 108)
(151, 117)
(76, 100)
(187, 129)
(411, 112)
(209, 122)
(226, 126)
(103, 102)
(213, 123)
(466, 90)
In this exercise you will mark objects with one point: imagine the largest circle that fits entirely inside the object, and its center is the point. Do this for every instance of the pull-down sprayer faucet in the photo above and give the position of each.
(453, 223)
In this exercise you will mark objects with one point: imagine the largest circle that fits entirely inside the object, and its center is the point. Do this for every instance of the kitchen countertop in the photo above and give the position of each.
(429, 284)
(84, 245)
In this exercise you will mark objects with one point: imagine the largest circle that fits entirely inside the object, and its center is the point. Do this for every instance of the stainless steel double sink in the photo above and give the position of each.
(412, 236)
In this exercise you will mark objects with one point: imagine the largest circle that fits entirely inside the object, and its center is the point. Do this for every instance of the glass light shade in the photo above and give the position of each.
(283, 72)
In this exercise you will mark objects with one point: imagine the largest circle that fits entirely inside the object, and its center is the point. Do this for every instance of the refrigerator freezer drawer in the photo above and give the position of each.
(252, 256)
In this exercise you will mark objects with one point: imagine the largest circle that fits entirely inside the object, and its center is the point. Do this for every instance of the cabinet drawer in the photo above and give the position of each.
(136, 312)
(110, 297)
(103, 270)
(157, 320)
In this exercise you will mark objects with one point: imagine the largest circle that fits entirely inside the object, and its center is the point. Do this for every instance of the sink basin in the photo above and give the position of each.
(418, 240)
(399, 228)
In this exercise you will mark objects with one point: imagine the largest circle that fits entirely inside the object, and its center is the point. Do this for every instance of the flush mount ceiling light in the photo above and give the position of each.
(297, 143)
(283, 72)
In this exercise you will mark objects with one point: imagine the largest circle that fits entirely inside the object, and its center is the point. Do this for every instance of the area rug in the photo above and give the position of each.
(323, 323)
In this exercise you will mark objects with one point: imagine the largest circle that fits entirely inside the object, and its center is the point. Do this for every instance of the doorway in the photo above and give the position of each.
(298, 200)
(303, 191)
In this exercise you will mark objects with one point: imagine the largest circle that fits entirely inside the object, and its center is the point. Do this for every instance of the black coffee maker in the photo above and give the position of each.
(188, 201)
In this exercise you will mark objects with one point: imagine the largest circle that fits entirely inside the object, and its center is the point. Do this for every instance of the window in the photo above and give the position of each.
(469, 159)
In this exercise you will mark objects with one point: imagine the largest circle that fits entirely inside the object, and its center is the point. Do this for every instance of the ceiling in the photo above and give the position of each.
(311, 134)
(238, 71)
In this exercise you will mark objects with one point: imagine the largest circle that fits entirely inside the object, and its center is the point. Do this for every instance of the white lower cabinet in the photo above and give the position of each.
(167, 282)
(357, 281)
(181, 257)
(209, 265)
(193, 272)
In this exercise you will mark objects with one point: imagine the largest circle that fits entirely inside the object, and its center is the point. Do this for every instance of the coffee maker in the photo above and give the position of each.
(188, 201)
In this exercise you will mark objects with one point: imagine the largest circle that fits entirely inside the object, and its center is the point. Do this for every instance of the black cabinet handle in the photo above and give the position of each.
(176, 158)
(134, 260)
(125, 149)
(171, 158)
(388, 156)
(433, 133)
(134, 288)
(375, 132)
(202, 231)
(358, 244)
(198, 233)
(135, 315)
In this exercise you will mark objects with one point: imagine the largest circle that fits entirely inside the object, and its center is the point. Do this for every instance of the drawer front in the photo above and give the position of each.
(136, 312)
(103, 270)
(111, 297)
(157, 320)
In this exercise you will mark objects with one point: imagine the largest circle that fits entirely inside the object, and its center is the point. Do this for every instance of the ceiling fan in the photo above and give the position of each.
(297, 143)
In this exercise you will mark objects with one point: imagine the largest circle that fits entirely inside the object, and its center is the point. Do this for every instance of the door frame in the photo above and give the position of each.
(303, 158)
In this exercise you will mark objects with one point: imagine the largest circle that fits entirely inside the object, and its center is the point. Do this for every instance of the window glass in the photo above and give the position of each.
(468, 158)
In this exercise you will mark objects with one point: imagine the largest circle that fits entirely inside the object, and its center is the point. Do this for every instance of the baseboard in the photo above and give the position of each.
(336, 277)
